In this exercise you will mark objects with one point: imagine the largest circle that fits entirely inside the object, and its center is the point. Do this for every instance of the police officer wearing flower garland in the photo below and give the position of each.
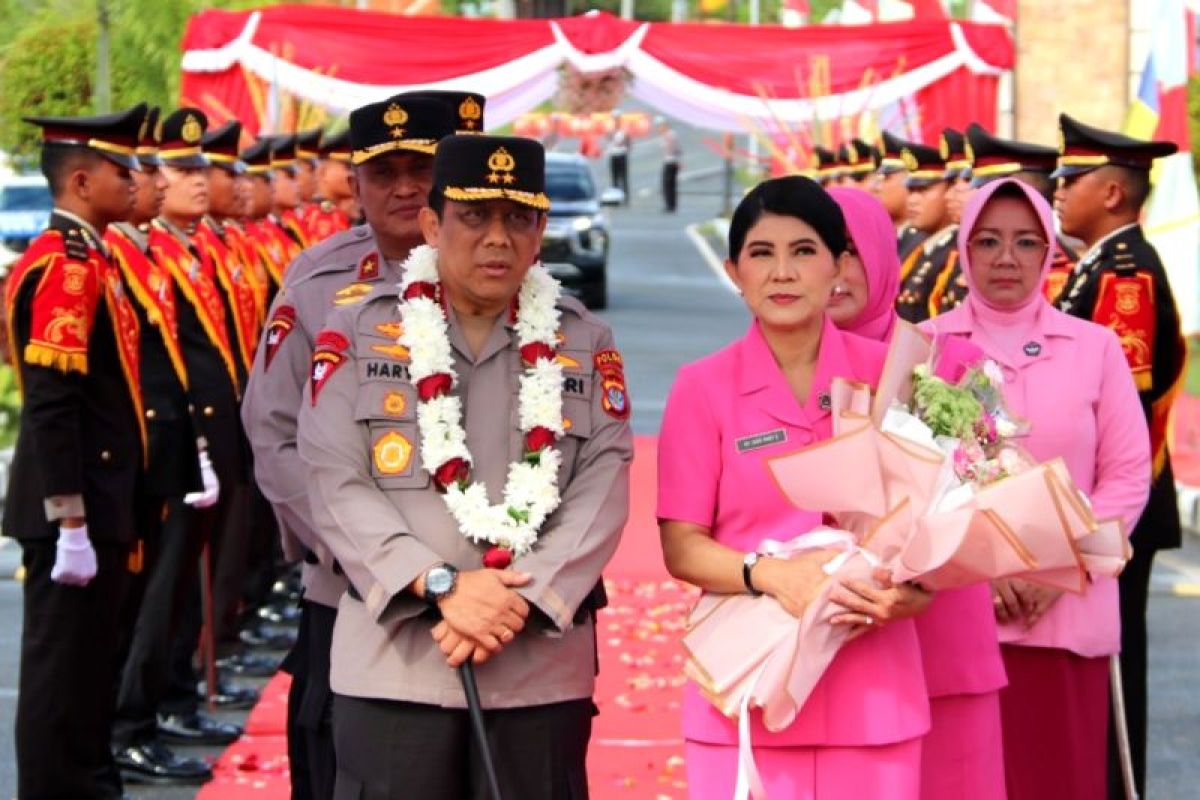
(468, 458)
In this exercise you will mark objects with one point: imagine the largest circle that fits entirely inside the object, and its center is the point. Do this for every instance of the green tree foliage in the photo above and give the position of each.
(48, 57)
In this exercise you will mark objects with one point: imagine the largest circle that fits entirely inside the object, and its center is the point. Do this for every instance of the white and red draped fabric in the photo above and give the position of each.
(718, 76)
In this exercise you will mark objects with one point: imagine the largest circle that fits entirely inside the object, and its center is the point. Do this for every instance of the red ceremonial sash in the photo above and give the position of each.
(292, 221)
(151, 285)
(233, 276)
(195, 282)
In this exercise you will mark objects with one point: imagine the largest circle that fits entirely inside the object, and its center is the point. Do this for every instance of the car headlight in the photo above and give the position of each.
(581, 224)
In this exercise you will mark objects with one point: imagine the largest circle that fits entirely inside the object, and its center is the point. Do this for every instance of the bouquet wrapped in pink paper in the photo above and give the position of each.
(924, 479)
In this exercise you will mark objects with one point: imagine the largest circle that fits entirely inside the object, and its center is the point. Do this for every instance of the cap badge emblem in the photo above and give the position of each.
(470, 113)
(501, 163)
(394, 118)
(944, 148)
(191, 130)
(910, 161)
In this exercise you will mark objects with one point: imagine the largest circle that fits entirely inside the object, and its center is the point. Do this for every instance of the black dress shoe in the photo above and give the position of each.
(156, 763)
(196, 728)
(250, 665)
(229, 695)
(268, 637)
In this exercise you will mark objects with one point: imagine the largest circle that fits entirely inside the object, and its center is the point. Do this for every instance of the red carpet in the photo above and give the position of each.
(636, 752)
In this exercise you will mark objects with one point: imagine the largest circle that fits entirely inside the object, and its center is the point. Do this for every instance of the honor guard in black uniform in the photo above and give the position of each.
(1119, 282)
(951, 288)
(824, 166)
(929, 212)
(173, 487)
(890, 185)
(993, 158)
(210, 355)
(80, 454)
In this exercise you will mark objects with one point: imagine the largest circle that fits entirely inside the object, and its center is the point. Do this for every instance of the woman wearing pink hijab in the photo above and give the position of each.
(1068, 379)
(962, 754)
(864, 299)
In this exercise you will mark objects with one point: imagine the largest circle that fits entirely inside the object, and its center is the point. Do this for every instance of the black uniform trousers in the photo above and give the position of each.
(174, 534)
(1134, 586)
(310, 705)
(389, 750)
(670, 180)
(69, 666)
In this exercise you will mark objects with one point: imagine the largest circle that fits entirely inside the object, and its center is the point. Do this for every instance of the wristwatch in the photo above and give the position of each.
(440, 582)
(747, 565)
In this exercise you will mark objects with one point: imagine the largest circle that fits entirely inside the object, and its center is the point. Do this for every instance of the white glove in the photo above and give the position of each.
(75, 560)
(212, 487)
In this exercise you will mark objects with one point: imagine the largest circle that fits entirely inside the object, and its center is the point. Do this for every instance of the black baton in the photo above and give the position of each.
(466, 672)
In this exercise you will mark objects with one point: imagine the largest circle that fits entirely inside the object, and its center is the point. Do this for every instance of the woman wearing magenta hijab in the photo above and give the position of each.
(1069, 380)
(864, 298)
(962, 754)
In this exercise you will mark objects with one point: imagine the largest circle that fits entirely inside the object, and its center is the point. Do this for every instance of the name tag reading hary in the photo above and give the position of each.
(761, 440)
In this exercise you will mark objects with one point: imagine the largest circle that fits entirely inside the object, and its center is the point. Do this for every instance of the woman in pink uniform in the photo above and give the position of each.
(962, 756)
(859, 734)
(1069, 379)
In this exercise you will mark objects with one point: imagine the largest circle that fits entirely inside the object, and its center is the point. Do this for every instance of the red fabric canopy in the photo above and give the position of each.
(913, 76)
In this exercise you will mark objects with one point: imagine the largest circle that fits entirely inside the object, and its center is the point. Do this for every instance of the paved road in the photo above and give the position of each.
(667, 308)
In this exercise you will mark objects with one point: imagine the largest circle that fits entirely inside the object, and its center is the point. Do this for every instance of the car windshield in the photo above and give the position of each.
(25, 198)
(569, 185)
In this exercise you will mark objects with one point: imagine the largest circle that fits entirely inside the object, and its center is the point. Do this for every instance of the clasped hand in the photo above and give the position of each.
(1016, 600)
(482, 615)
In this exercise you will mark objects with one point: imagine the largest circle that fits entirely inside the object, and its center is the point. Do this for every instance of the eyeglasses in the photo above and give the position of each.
(988, 247)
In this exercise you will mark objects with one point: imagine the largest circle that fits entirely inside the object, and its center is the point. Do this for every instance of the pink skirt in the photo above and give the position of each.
(963, 753)
(879, 772)
(1055, 718)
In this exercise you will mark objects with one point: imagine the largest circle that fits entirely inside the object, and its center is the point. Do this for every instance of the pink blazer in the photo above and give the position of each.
(1073, 386)
(728, 413)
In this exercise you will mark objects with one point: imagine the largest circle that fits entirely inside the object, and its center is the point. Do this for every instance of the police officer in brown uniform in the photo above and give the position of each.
(993, 158)
(392, 145)
(438, 574)
(79, 456)
(929, 212)
(890, 185)
(1119, 282)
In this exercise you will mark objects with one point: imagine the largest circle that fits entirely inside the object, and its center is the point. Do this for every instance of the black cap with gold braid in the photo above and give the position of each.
(283, 151)
(179, 138)
(925, 165)
(953, 147)
(147, 146)
(467, 107)
(257, 157)
(857, 158)
(221, 147)
(336, 147)
(308, 145)
(403, 122)
(891, 158)
(993, 157)
(824, 163)
(1083, 148)
(470, 168)
(114, 136)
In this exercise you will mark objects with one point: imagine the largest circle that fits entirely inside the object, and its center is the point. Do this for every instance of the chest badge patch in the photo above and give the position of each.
(395, 404)
(349, 295)
(396, 351)
(392, 453)
(760, 440)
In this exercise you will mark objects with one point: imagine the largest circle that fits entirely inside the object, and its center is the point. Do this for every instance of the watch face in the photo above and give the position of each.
(439, 581)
